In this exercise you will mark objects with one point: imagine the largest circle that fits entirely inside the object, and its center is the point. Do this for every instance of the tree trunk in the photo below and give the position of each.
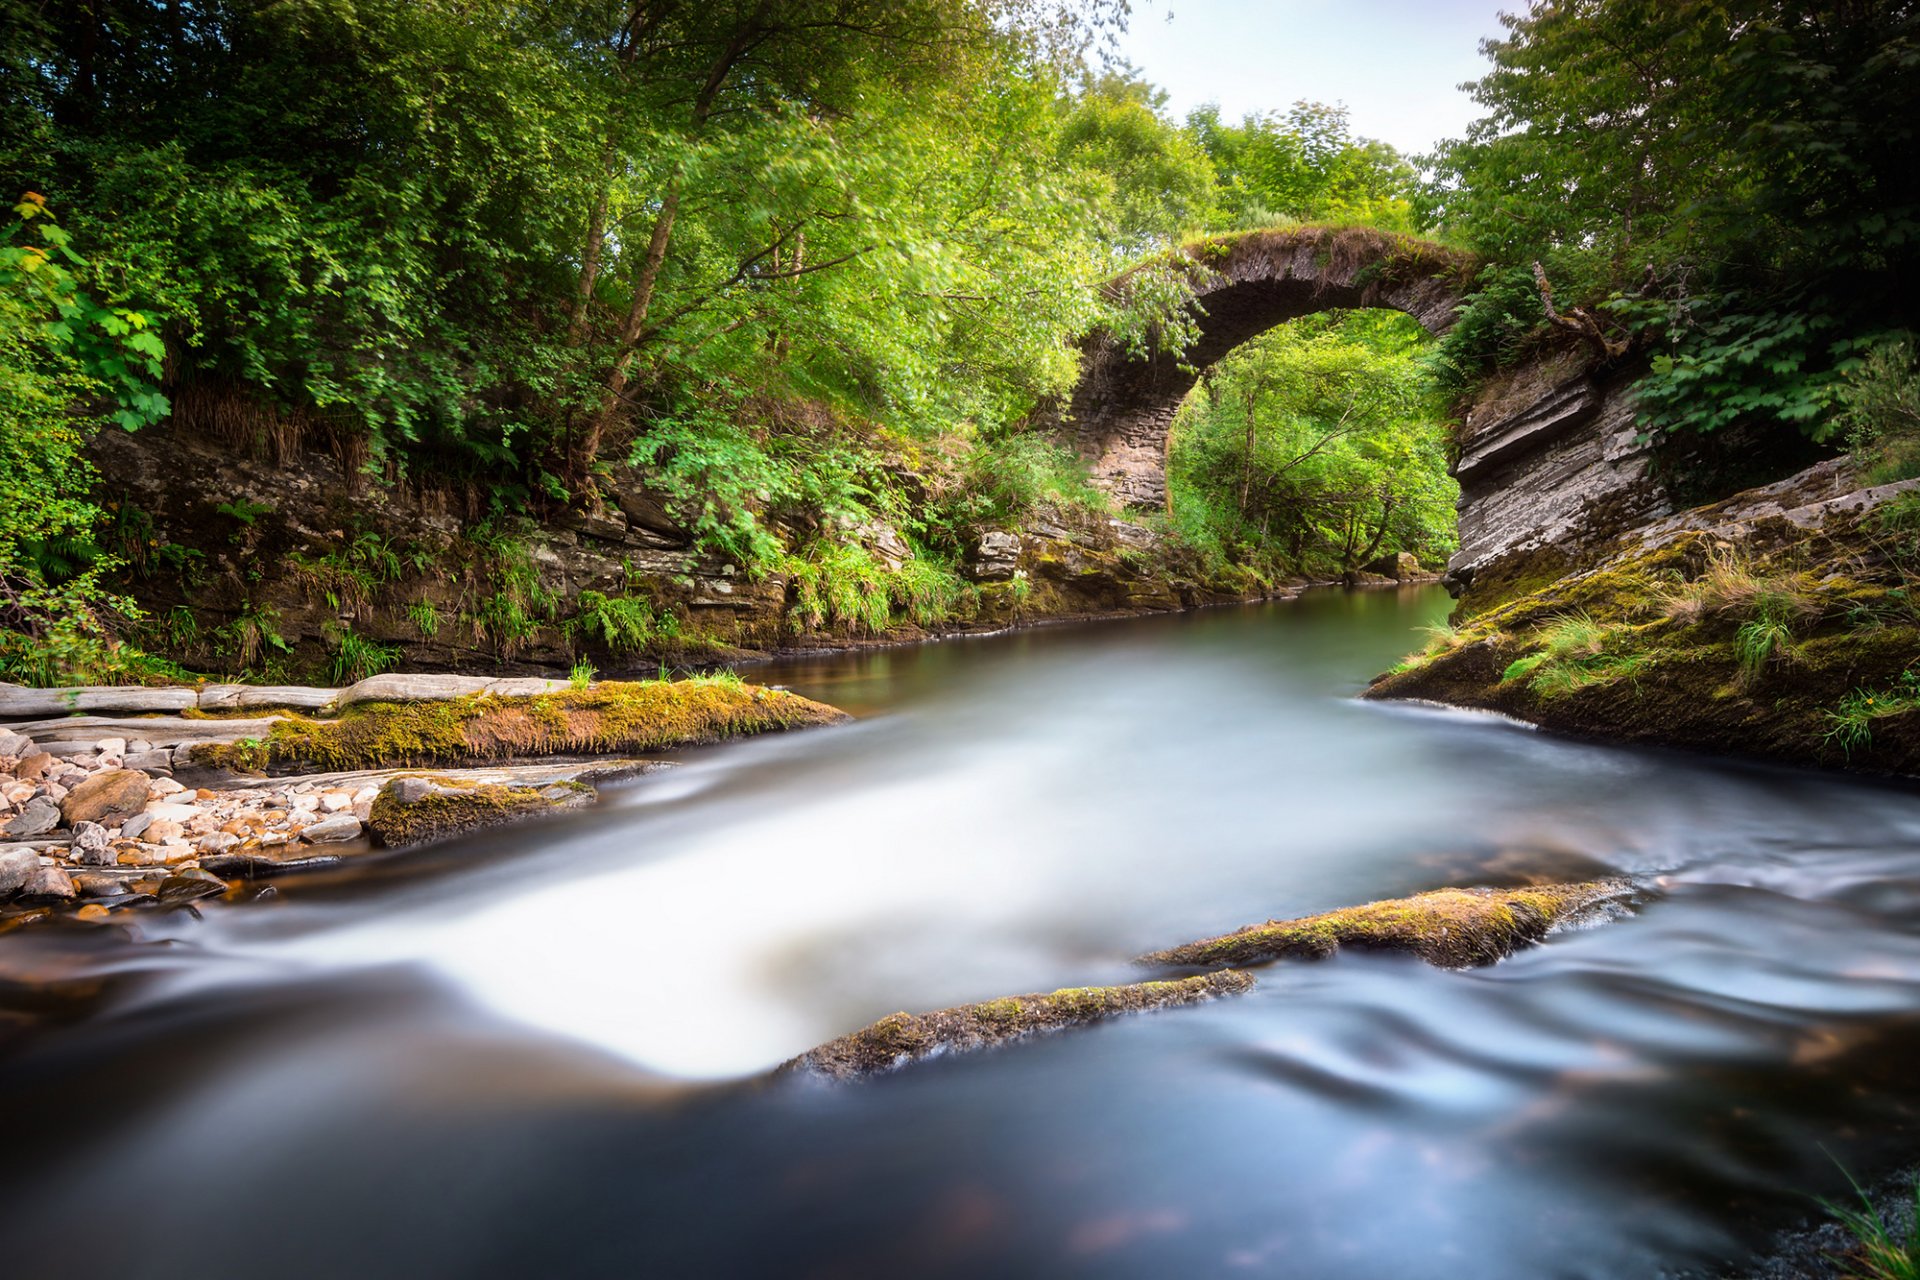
(587, 445)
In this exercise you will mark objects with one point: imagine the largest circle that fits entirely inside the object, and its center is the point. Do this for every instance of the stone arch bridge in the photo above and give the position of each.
(1244, 285)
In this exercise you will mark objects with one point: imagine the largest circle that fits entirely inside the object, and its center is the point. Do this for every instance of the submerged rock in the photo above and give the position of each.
(1453, 928)
(901, 1038)
(189, 884)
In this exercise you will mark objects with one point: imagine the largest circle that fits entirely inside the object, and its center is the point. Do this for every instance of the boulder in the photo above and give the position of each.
(107, 796)
(14, 744)
(17, 866)
(40, 816)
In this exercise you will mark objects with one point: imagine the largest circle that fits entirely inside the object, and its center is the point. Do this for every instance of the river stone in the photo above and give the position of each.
(344, 827)
(92, 847)
(14, 744)
(35, 766)
(40, 816)
(99, 884)
(190, 883)
(112, 794)
(17, 866)
(48, 881)
(161, 830)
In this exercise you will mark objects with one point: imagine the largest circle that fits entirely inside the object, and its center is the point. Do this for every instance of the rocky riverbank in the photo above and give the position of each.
(165, 798)
(1780, 623)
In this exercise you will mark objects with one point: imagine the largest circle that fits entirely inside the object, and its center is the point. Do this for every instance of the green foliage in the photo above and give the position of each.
(845, 586)
(251, 637)
(624, 624)
(509, 601)
(425, 615)
(1303, 165)
(1737, 190)
(1850, 723)
(244, 510)
(1575, 651)
(1314, 449)
(582, 674)
(69, 364)
(1880, 412)
(1879, 1252)
(354, 657)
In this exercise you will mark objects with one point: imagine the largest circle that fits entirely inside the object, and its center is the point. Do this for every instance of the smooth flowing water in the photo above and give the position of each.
(541, 1053)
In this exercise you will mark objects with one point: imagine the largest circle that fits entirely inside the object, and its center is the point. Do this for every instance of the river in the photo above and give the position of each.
(540, 1052)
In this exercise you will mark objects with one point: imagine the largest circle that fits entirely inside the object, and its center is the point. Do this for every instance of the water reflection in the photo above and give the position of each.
(486, 1060)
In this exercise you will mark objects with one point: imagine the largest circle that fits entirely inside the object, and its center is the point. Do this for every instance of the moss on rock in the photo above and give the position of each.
(614, 716)
(1796, 641)
(1454, 928)
(416, 810)
(901, 1038)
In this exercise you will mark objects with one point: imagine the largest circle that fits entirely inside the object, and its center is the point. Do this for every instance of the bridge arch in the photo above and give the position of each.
(1122, 407)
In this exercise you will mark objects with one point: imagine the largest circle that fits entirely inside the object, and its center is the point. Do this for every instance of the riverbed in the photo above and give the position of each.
(543, 1051)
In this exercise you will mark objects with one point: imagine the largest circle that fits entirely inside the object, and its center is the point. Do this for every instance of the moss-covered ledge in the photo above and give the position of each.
(1453, 928)
(1786, 634)
(610, 717)
(901, 1038)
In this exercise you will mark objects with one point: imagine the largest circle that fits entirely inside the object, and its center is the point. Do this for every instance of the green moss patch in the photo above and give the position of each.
(614, 716)
(901, 1038)
(1455, 928)
(418, 810)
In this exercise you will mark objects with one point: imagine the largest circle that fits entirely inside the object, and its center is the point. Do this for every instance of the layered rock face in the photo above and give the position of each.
(1551, 465)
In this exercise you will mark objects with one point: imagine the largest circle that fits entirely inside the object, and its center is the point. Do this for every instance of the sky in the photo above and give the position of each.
(1396, 64)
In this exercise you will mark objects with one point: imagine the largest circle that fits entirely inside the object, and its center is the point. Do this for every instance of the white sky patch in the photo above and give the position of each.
(1396, 64)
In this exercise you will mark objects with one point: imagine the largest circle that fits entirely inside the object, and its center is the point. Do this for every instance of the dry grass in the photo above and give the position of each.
(1730, 587)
